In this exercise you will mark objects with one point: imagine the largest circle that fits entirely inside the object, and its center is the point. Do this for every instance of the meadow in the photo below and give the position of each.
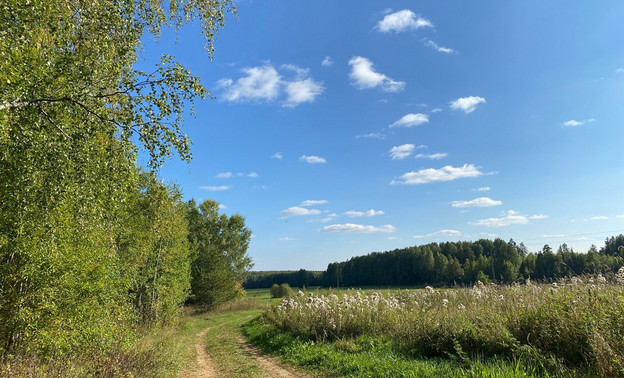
(569, 328)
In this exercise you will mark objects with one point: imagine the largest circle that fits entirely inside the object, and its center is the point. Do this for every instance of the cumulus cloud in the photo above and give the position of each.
(359, 214)
(441, 232)
(296, 211)
(308, 203)
(467, 104)
(219, 188)
(312, 159)
(401, 21)
(477, 202)
(327, 62)
(439, 48)
(277, 155)
(350, 228)
(508, 218)
(577, 123)
(266, 84)
(401, 152)
(363, 76)
(436, 156)
(411, 119)
(446, 173)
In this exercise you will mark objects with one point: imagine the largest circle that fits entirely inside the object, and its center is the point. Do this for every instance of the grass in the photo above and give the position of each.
(369, 357)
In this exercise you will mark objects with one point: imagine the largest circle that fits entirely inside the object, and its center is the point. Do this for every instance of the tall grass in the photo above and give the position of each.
(574, 325)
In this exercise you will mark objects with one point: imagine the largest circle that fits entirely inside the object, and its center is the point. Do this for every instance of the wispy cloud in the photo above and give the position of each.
(327, 62)
(219, 188)
(359, 214)
(446, 173)
(277, 155)
(296, 211)
(577, 123)
(401, 152)
(371, 136)
(351, 228)
(363, 76)
(508, 218)
(436, 156)
(436, 110)
(401, 21)
(312, 159)
(482, 189)
(441, 232)
(467, 104)
(619, 70)
(477, 202)
(308, 203)
(286, 238)
(439, 48)
(599, 217)
(266, 84)
(411, 119)
(224, 175)
(328, 218)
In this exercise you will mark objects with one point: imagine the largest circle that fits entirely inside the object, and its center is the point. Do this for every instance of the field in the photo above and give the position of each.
(569, 328)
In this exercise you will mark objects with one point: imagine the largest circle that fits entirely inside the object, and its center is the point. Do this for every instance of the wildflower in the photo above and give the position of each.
(300, 293)
(461, 307)
(444, 302)
(601, 279)
(619, 276)
(429, 289)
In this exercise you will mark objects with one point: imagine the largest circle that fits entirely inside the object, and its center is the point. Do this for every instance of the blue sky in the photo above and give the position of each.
(342, 128)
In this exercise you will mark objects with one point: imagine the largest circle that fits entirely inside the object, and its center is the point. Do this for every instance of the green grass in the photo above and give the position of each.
(370, 357)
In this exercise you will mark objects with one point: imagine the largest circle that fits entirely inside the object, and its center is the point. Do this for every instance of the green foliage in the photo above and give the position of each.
(89, 245)
(281, 291)
(219, 247)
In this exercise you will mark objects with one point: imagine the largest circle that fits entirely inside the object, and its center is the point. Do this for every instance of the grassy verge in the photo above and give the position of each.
(370, 357)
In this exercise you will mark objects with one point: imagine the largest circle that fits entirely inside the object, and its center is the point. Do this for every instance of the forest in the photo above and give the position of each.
(94, 246)
(454, 263)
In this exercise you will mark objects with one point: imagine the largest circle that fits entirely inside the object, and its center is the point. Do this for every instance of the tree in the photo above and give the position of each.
(220, 260)
(71, 108)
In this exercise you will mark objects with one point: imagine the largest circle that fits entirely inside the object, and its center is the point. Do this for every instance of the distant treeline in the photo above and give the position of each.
(300, 278)
(453, 263)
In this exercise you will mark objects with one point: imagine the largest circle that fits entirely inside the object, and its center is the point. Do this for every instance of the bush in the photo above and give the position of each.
(281, 291)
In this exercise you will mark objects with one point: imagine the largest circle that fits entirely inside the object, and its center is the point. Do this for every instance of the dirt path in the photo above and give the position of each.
(268, 364)
(204, 367)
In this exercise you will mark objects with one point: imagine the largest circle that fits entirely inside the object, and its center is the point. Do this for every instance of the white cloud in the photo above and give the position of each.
(265, 83)
(296, 211)
(482, 189)
(298, 92)
(436, 110)
(277, 155)
(441, 232)
(401, 152)
(436, 156)
(327, 62)
(224, 175)
(620, 216)
(350, 228)
(439, 48)
(477, 202)
(446, 173)
(222, 206)
(329, 218)
(363, 76)
(312, 159)
(219, 188)
(619, 70)
(599, 218)
(401, 21)
(411, 119)
(286, 239)
(577, 123)
(467, 104)
(359, 214)
(307, 203)
(371, 136)
(508, 218)
(253, 175)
